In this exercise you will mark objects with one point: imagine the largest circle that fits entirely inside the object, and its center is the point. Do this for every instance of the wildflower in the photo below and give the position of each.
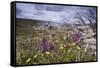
(65, 45)
(35, 56)
(61, 45)
(73, 43)
(61, 48)
(78, 47)
(28, 60)
(42, 54)
(47, 53)
(76, 37)
(44, 45)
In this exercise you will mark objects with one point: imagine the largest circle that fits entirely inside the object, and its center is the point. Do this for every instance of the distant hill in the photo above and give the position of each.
(29, 23)
(25, 23)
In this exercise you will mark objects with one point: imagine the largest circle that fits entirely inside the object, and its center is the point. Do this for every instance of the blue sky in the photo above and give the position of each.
(55, 13)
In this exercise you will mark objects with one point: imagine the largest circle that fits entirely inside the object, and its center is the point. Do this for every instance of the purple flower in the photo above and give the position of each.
(44, 45)
(76, 37)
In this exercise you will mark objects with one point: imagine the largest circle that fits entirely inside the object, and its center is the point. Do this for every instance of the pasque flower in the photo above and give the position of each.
(44, 45)
(76, 37)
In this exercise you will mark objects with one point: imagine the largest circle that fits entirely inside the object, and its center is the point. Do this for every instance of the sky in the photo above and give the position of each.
(54, 13)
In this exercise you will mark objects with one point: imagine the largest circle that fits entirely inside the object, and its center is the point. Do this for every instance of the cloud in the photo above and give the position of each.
(55, 13)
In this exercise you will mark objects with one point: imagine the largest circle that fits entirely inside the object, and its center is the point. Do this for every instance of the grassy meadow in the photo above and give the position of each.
(48, 45)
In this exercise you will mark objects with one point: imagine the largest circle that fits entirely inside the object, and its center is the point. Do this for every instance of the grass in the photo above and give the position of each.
(27, 48)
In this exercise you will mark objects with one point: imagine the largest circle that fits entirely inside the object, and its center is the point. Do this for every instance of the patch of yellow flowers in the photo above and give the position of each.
(62, 46)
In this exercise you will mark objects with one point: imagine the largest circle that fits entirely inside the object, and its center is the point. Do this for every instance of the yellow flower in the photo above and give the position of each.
(47, 53)
(73, 43)
(42, 54)
(61, 48)
(65, 45)
(28, 60)
(61, 45)
(35, 56)
(78, 47)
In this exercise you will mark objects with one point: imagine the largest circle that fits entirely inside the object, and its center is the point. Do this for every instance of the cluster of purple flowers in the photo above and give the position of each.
(76, 37)
(45, 46)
